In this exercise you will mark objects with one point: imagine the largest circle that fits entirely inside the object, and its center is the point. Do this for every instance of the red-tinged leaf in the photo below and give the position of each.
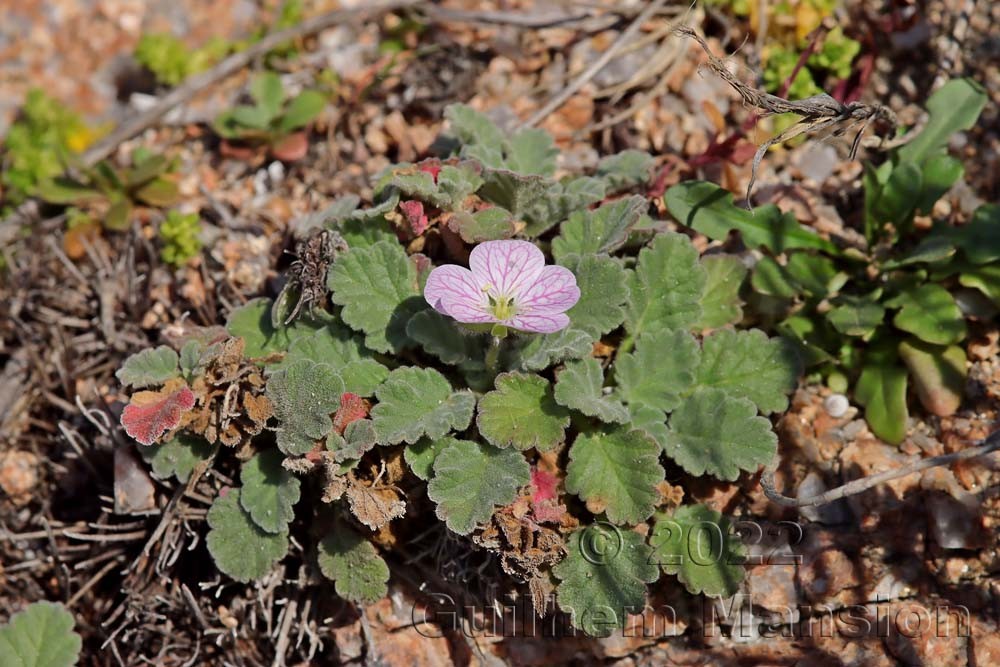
(352, 408)
(413, 211)
(543, 486)
(150, 414)
(548, 512)
(432, 167)
(292, 148)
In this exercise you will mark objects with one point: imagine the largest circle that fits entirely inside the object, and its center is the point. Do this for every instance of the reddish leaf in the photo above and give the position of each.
(413, 211)
(543, 485)
(432, 167)
(291, 148)
(352, 408)
(150, 414)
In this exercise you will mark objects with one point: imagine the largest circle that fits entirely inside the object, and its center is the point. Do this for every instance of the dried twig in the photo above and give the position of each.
(560, 98)
(819, 112)
(990, 445)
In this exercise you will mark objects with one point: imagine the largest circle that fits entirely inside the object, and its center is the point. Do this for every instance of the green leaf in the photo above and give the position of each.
(471, 127)
(980, 238)
(659, 371)
(421, 456)
(649, 420)
(600, 231)
(176, 457)
(302, 110)
(699, 546)
(985, 278)
(719, 434)
(625, 170)
(952, 108)
(269, 491)
(442, 337)
(354, 565)
(560, 199)
(41, 635)
(897, 199)
(252, 322)
(377, 286)
(536, 353)
(817, 275)
(149, 367)
(517, 193)
(930, 313)
(251, 118)
(720, 303)
(415, 402)
(471, 478)
(238, 546)
(666, 286)
(66, 191)
(772, 279)
(268, 93)
(856, 316)
(362, 231)
(522, 413)
(938, 375)
(580, 386)
(359, 437)
(616, 472)
(335, 346)
(603, 578)
(531, 151)
(601, 308)
(707, 208)
(304, 395)
(748, 364)
(458, 182)
(940, 172)
(881, 389)
(490, 224)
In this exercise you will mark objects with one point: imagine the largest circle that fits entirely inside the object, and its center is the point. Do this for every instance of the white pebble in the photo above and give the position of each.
(836, 405)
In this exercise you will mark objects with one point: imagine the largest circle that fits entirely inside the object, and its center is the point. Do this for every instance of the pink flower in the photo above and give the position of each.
(508, 284)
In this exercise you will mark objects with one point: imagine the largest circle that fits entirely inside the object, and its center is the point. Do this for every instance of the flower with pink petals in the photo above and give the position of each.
(508, 284)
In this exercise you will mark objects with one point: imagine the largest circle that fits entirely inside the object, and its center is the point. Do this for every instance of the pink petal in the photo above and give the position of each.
(538, 322)
(507, 266)
(454, 291)
(554, 291)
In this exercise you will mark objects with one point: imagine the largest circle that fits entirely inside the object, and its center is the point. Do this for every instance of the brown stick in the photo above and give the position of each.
(990, 445)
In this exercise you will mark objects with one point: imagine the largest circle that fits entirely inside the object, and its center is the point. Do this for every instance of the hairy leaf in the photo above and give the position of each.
(354, 565)
(378, 288)
(603, 294)
(748, 364)
(421, 456)
(40, 636)
(659, 371)
(603, 578)
(415, 402)
(252, 322)
(358, 438)
(269, 491)
(470, 479)
(444, 338)
(238, 546)
(699, 546)
(600, 231)
(536, 353)
(176, 457)
(336, 346)
(580, 386)
(304, 395)
(666, 287)
(720, 303)
(522, 413)
(150, 414)
(649, 420)
(148, 367)
(490, 224)
(716, 433)
(625, 170)
(616, 473)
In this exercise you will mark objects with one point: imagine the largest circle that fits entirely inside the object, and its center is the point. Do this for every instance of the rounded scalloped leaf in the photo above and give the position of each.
(666, 286)
(470, 479)
(603, 294)
(602, 230)
(414, 402)
(304, 395)
(580, 386)
(269, 492)
(700, 547)
(661, 368)
(716, 433)
(522, 413)
(354, 565)
(616, 473)
(238, 546)
(603, 577)
(748, 364)
(176, 457)
(148, 368)
(41, 635)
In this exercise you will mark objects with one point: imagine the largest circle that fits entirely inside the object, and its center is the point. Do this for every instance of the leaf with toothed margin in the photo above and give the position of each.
(720, 303)
(748, 364)
(150, 414)
(699, 546)
(598, 591)
(522, 413)
(716, 433)
(176, 457)
(601, 308)
(336, 346)
(421, 456)
(148, 367)
(470, 479)
(660, 369)
(41, 635)
(414, 402)
(616, 473)
(625, 170)
(580, 386)
(666, 286)
(238, 546)
(444, 338)
(269, 491)
(379, 290)
(602, 230)
(538, 352)
(252, 322)
(304, 395)
(354, 565)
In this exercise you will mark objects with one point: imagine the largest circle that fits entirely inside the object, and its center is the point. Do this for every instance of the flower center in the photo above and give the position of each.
(502, 307)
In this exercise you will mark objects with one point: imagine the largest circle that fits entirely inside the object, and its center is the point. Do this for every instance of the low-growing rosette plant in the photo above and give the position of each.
(519, 357)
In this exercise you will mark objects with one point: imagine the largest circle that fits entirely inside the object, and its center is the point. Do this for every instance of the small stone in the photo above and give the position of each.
(953, 525)
(836, 405)
(18, 475)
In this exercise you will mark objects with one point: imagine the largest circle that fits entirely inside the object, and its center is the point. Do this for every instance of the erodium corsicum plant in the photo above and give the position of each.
(517, 356)
(896, 305)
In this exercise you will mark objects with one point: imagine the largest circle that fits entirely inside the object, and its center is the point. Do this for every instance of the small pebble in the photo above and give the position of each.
(836, 405)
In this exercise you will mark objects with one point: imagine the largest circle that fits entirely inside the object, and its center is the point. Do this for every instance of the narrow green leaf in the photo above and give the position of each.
(268, 93)
(952, 108)
(302, 110)
(938, 374)
(881, 389)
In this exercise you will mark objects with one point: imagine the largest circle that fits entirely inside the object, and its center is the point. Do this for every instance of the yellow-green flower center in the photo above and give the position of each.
(501, 306)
